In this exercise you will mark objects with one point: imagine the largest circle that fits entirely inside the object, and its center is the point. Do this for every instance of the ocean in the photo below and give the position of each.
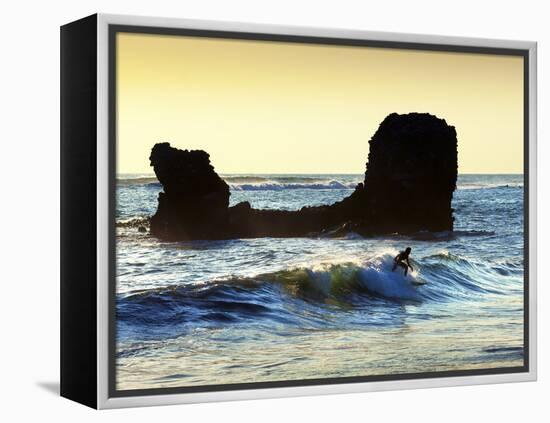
(269, 309)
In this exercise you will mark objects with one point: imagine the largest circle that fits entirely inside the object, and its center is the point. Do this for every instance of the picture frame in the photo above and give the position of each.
(88, 207)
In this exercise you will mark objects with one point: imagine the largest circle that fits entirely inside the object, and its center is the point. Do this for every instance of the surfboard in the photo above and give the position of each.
(418, 283)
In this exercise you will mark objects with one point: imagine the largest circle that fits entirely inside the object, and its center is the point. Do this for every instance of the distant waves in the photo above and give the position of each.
(265, 183)
(317, 182)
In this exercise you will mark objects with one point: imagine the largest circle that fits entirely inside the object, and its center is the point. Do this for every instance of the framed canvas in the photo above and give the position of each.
(254, 211)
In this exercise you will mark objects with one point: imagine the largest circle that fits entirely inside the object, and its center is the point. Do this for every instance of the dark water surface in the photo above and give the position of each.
(214, 312)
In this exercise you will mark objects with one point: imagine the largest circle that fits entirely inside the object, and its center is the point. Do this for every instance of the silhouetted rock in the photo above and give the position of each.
(411, 174)
(195, 199)
(409, 183)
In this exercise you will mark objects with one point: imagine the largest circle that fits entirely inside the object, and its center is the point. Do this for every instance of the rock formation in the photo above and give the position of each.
(411, 174)
(408, 187)
(195, 201)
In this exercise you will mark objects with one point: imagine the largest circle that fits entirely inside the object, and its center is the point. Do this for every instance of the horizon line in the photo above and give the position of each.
(312, 173)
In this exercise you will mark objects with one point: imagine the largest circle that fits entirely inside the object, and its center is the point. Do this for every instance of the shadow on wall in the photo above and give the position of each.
(51, 387)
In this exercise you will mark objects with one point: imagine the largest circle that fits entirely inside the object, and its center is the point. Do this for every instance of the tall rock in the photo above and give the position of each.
(195, 199)
(411, 174)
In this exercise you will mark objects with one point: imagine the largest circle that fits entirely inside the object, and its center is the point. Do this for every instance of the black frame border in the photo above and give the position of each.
(114, 29)
(78, 211)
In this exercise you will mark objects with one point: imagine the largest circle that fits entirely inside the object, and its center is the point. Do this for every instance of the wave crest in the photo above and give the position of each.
(280, 186)
(337, 280)
(305, 294)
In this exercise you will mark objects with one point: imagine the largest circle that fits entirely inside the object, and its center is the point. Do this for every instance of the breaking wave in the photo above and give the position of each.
(305, 295)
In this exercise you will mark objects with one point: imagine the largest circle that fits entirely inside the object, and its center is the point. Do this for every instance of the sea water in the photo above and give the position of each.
(270, 309)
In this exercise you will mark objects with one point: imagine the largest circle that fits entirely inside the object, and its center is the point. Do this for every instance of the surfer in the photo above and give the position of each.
(402, 259)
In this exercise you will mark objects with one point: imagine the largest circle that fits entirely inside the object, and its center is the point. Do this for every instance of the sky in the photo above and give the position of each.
(276, 107)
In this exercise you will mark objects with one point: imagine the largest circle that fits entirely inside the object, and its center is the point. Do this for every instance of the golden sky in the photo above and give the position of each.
(275, 107)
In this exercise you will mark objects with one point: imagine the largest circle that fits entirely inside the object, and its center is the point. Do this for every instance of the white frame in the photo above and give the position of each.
(103, 400)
